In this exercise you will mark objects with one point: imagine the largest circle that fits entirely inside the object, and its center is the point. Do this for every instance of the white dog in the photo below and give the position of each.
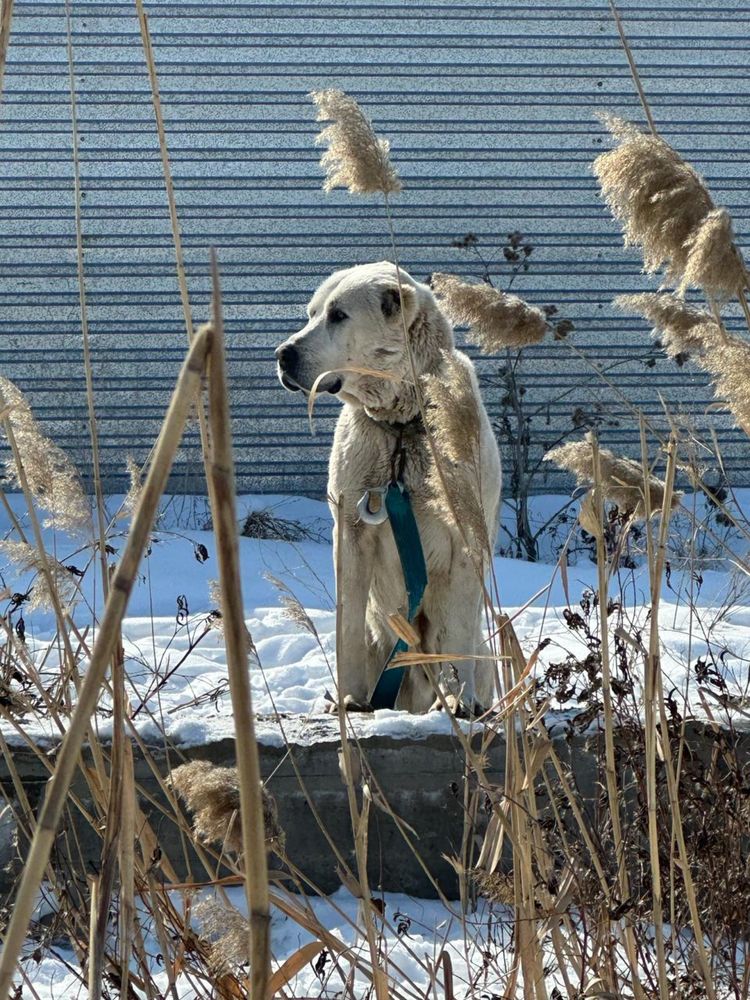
(355, 321)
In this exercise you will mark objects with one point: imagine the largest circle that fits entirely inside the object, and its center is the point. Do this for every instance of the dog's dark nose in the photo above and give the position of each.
(288, 358)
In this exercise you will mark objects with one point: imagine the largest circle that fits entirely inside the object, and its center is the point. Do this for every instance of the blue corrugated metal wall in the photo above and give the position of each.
(489, 107)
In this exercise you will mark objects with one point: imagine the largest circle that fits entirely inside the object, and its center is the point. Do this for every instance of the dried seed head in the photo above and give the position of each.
(213, 796)
(686, 331)
(456, 497)
(356, 158)
(133, 496)
(25, 558)
(713, 260)
(496, 886)
(294, 610)
(659, 199)
(228, 932)
(53, 479)
(621, 478)
(681, 329)
(728, 363)
(452, 410)
(495, 320)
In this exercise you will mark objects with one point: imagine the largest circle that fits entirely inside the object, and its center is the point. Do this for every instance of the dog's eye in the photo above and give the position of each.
(336, 315)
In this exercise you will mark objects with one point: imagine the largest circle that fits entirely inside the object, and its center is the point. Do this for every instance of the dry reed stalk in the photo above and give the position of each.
(96, 951)
(652, 667)
(6, 16)
(174, 221)
(220, 474)
(379, 978)
(126, 926)
(672, 788)
(87, 366)
(187, 385)
(609, 718)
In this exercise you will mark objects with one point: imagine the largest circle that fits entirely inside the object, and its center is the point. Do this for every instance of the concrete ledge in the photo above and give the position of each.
(422, 780)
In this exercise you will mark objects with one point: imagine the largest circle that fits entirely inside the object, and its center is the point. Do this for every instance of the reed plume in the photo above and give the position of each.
(213, 796)
(622, 479)
(713, 261)
(135, 489)
(682, 330)
(659, 199)
(26, 559)
(228, 933)
(356, 159)
(495, 319)
(52, 478)
(452, 411)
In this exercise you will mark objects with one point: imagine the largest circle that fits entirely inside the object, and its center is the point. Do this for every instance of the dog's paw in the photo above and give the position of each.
(350, 705)
(456, 706)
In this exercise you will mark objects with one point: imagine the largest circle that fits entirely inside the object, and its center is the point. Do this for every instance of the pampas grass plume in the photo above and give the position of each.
(25, 558)
(687, 331)
(713, 260)
(213, 796)
(659, 199)
(452, 411)
(621, 478)
(680, 328)
(356, 159)
(53, 479)
(495, 320)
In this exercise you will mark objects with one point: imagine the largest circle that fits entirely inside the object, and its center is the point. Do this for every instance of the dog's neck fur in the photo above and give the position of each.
(427, 350)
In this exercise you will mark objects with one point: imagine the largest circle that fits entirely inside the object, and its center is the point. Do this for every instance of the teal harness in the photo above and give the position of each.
(396, 506)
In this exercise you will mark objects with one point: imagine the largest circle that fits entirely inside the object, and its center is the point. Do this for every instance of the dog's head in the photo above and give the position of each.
(355, 321)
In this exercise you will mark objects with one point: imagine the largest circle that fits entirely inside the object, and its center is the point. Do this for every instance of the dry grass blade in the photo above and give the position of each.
(294, 964)
(220, 474)
(404, 629)
(357, 370)
(108, 636)
(356, 158)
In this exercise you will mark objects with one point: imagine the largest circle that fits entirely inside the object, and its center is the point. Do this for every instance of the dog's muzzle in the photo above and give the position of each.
(288, 361)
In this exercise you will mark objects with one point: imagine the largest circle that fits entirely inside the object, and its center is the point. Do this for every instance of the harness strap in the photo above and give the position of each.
(410, 553)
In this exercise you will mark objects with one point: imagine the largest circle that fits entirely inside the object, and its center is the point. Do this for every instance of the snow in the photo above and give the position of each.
(175, 662)
(414, 934)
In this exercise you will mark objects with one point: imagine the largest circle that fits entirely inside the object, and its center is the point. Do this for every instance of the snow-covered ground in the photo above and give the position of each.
(414, 934)
(175, 661)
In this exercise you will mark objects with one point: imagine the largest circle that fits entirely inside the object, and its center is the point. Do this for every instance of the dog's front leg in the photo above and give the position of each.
(354, 554)
(457, 621)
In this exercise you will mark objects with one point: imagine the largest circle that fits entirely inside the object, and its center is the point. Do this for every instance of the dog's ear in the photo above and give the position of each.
(391, 297)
